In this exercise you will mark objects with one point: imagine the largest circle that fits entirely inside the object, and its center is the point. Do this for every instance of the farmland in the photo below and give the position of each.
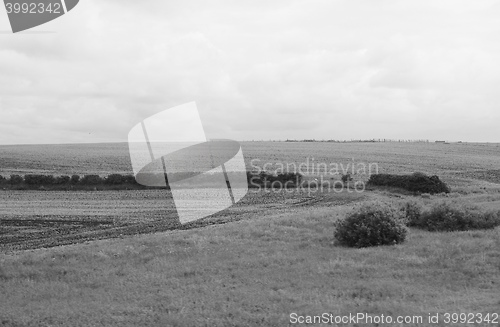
(32, 219)
(456, 159)
(123, 259)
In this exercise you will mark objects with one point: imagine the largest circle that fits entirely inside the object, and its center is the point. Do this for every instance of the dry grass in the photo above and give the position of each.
(248, 273)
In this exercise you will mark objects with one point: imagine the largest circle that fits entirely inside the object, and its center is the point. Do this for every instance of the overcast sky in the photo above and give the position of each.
(259, 69)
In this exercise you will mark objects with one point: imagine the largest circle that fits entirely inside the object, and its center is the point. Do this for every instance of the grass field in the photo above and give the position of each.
(251, 265)
(392, 157)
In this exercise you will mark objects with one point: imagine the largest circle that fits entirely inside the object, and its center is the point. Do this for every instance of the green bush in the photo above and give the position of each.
(417, 182)
(449, 216)
(412, 212)
(91, 180)
(16, 179)
(371, 225)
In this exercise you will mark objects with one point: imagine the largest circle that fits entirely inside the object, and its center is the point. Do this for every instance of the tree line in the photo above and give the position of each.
(119, 181)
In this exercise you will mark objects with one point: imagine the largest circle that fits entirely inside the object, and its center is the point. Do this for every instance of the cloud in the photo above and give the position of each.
(257, 69)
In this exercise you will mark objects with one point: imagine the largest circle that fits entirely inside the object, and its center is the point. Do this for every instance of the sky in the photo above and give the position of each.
(258, 70)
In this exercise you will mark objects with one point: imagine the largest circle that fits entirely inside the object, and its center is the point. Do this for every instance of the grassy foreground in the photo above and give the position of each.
(249, 273)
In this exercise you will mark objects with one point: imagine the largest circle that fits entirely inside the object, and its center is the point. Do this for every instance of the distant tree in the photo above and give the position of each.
(75, 179)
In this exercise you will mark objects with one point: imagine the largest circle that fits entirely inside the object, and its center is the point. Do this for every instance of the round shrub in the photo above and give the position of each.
(371, 225)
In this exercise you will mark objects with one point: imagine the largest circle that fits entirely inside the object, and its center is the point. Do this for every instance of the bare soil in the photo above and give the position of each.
(39, 219)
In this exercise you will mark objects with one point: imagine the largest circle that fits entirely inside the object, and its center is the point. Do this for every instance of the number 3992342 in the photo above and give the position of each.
(33, 8)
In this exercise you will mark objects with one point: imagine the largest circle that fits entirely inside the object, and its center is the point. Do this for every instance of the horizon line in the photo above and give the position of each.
(377, 140)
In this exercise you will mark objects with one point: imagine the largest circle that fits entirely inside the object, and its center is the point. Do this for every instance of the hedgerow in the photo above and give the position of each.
(64, 182)
(453, 216)
(417, 182)
(39, 179)
(91, 180)
(75, 179)
(119, 181)
(114, 179)
(16, 179)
